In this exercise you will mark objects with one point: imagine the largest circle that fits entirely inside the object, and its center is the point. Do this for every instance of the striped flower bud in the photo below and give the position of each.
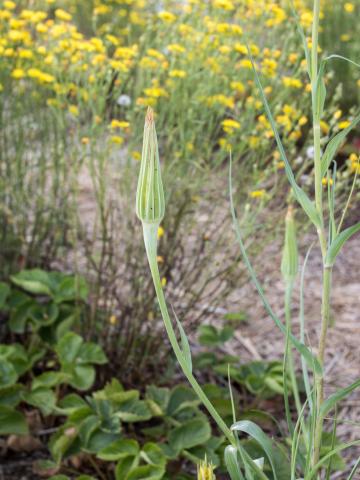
(290, 260)
(150, 201)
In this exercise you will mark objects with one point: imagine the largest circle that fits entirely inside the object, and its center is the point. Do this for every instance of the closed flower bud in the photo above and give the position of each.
(290, 261)
(150, 201)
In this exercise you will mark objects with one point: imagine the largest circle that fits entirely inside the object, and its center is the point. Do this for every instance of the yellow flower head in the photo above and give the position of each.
(62, 15)
(349, 7)
(257, 194)
(205, 471)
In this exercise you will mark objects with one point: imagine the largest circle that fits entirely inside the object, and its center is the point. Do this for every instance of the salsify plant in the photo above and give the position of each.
(305, 459)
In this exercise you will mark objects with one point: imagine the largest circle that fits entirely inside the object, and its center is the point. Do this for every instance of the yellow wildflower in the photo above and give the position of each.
(116, 139)
(167, 17)
(9, 5)
(344, 124)
(237, 86)
(257, 193)
(73, 109)
(119, 124)
(18, 73)
(291, 82)
(349, 7)
(325, 181)
(229, 125)
(177, 73)
(62, 15)
(160, 232)
(163, 282)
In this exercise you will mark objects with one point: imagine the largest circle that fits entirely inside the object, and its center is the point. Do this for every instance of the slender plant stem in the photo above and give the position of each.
(150, 238)
(290, 358)
(316, 124)
(319, 381)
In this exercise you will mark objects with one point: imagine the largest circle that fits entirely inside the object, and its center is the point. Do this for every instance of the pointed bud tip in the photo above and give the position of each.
(149, 115)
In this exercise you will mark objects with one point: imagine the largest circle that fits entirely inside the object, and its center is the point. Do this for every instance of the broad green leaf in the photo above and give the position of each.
(82, 377)
(99, 440)
(68, 348)
(61, 442)
(4, 292)
(91, 353)
(71, 403)
(124, 466)
(334, 145)
(34, 281)
(48, 379)
(336, 397)
(59, 477)
(181, 397)
(71, 288)
(11, 396)
(157, 399)
(12, 422)
(134, 411)
(255, 432)
(118, 450)
(184, 344)
(339, 241)
(153, 455)
(19, 316)
(146, 472)
(42, 398)
(8, 375)
(189, 434)
(43, 315)
(232, 464)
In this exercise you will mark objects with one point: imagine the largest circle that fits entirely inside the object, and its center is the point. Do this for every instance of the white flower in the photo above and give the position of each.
(124, 101)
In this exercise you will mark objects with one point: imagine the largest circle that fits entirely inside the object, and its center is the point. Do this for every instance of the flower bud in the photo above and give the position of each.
(150, 201)
(290, 261)
(205, 471)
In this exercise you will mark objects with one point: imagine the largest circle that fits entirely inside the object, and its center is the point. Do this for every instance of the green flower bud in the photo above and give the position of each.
(290, 260)
(150, 200)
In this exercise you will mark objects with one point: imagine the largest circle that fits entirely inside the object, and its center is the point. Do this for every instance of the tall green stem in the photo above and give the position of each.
(150, 238)
(319, 381)
(316, 123)
(290, 358)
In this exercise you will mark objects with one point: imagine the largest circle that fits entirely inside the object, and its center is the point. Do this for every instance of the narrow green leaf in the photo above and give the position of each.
(353, 471)
(339, 241)
(303, 38)
(334, 144)
(336, 397)
(184, 343)
(320, 92)
(299, 194)
(310, 359)
(257, 434)
(232, 464)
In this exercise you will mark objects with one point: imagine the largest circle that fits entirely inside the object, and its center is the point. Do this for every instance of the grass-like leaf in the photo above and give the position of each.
(307, 205)
(255, 432)
(339, 241)
(336, 397)
(310, 359)
(184, 343)
(334, 144)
